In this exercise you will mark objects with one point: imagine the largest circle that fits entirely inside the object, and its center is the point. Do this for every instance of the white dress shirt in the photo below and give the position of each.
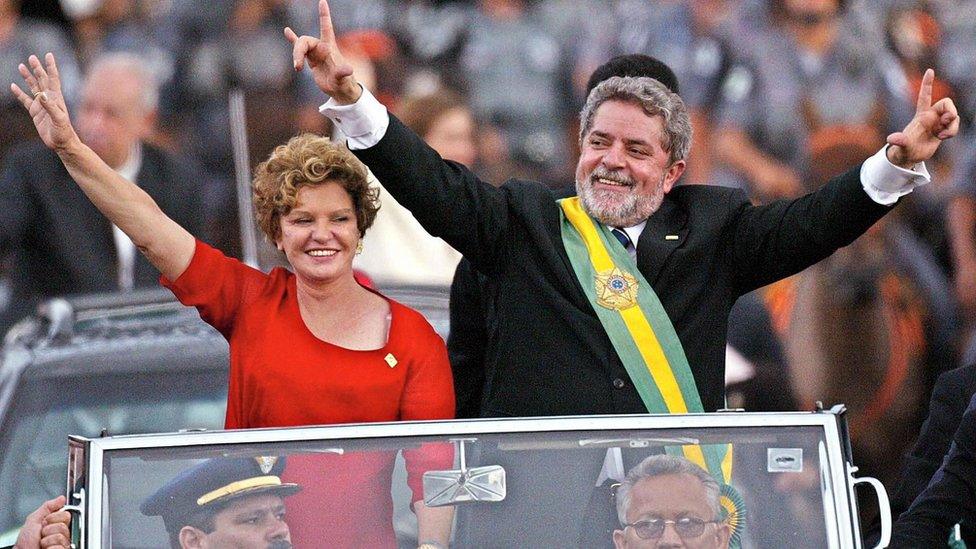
(124, 248)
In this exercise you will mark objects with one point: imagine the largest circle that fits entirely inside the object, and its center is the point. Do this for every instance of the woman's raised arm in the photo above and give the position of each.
(165, 243)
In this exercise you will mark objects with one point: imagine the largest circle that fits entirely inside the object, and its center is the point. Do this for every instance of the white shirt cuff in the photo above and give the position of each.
(364, 122)
(885, 183)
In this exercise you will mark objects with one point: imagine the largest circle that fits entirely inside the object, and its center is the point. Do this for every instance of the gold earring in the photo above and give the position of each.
(359, 247)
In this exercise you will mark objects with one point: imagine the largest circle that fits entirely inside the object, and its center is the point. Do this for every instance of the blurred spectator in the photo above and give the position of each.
(397, 250)
(235, 45)
(961, 218)
(958, 21)
(58, 243)
(912, 37)
(445, 122)
(432, 33)
(507, 49)
(357, 15)
(19, 38)
(377, 54)
(576, 24)
(114, 25)
(805, 82)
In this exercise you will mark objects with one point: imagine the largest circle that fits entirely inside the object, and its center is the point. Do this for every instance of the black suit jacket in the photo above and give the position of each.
(950, 496)
(953, 392)
(549, 354)
(56, 242)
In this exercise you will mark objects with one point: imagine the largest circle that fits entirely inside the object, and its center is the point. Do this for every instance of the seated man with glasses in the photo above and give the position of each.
(668, 501)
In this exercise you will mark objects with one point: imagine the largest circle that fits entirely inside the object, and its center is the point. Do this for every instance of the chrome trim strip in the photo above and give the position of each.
(837, 535)
(477, 426)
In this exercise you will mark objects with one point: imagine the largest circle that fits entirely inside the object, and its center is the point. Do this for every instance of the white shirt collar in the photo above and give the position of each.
(635, 231)
(130, 168)
(124, 248)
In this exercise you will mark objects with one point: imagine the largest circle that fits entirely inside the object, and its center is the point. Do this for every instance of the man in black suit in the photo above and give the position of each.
(698, 247)
(55, 242)
(472, 317)
(953, 391)
(950, 496)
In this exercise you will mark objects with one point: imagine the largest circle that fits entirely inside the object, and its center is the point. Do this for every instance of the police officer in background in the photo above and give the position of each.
(225, 502)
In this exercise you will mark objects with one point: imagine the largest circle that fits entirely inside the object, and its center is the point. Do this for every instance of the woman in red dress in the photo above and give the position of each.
(306, 347)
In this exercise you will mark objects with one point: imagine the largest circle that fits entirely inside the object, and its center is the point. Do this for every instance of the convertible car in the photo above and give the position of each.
(542, 482)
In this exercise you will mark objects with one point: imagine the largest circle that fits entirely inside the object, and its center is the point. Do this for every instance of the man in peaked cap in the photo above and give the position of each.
(225, 502)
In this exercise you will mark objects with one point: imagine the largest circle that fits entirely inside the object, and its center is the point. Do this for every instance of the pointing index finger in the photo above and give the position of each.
(925, 92)
(326, 32)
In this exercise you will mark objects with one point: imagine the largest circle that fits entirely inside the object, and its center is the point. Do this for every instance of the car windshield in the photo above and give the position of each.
(46, 410)
(506, 489)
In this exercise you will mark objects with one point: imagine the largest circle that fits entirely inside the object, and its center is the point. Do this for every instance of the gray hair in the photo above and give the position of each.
(664, 464)
(135, 66)
(655, 99)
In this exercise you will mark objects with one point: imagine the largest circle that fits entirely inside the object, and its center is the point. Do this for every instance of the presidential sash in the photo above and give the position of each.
(643, 337)
(631, 313)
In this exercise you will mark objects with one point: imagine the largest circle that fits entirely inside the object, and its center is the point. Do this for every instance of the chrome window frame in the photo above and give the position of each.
(844, 507)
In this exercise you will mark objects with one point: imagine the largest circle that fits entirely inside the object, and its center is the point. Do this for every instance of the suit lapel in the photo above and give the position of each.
(81, 232)
(666, 229)
(149, 180)
(148, 177)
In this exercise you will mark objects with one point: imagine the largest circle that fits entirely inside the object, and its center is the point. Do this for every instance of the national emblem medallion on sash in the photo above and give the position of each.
(616, 289)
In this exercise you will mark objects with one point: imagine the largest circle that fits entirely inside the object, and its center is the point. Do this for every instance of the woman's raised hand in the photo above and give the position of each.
(45, 103)
(330, 70)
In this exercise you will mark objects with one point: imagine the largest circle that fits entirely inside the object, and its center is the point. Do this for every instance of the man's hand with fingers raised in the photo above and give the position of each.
(330, 70)
(931, 125)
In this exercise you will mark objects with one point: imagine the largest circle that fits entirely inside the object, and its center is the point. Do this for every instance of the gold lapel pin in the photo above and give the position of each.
(671, 237)
(390, 359)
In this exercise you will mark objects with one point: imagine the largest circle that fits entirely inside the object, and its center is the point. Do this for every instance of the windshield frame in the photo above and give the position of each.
(845, 532)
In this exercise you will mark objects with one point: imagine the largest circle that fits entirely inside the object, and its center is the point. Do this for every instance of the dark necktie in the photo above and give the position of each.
(624, 239)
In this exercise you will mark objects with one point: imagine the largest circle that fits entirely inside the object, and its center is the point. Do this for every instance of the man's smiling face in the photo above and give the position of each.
(623, 171)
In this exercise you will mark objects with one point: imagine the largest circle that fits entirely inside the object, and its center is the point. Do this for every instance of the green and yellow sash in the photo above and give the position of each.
(642, 334)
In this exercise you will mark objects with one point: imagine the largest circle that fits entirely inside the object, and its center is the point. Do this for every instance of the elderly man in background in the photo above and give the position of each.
(668, 501)
(54, 240)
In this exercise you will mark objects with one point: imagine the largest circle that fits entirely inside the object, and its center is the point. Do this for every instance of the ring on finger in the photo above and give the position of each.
(37, 93)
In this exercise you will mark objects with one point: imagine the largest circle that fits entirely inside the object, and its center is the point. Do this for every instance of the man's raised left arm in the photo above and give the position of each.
(900, 167)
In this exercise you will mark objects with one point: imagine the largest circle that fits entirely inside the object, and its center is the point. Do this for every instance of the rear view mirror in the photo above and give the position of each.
(485, 483)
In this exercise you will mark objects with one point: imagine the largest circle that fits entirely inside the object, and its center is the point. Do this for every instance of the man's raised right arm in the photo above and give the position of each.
(447, 199)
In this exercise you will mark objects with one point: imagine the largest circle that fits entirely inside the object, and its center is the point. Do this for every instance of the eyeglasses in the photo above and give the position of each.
(686, 527)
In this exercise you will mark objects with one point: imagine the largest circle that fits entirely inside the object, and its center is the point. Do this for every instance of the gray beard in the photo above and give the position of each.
(613, 210)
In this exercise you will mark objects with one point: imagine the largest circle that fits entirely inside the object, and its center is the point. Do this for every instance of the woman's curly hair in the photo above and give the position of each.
(309, 159)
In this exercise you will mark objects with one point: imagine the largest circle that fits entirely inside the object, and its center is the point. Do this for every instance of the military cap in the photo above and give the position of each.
(214, 483)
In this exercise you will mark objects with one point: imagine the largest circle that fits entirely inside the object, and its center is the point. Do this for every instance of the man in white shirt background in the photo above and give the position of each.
(54, 241)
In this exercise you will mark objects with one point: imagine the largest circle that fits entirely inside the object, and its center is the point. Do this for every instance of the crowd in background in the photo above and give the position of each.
(783, 94)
